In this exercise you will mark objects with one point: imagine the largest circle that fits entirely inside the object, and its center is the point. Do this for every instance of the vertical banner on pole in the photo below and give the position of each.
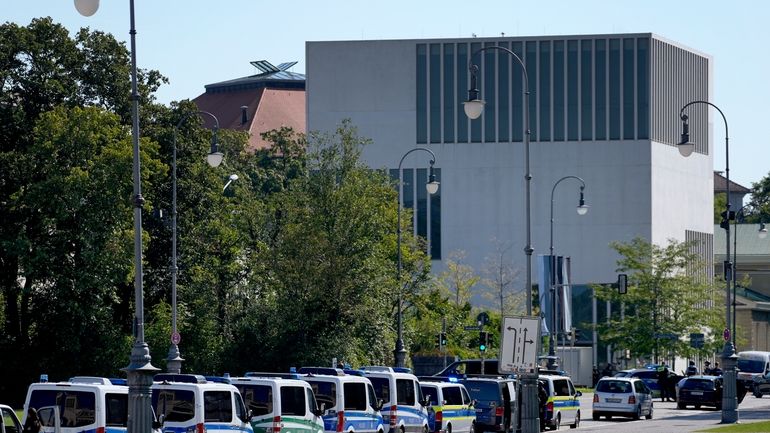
(544, 288)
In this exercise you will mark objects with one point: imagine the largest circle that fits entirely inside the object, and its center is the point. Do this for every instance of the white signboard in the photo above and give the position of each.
(519, 343)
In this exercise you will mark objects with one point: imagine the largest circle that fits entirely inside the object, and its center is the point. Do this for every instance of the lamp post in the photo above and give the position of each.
(582, 209)
(761, 234)
(140, 369)
(174, 359)
(729, 358)
(473, 108)
(432, 187)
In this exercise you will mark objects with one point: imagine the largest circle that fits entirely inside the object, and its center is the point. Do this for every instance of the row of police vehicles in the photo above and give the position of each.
(309, 400)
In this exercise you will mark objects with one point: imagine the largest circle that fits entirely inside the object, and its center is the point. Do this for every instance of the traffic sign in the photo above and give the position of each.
(726, 334)
(697, 340)
(175, 338)
(483, 318)
(472, 328)
(520, 336)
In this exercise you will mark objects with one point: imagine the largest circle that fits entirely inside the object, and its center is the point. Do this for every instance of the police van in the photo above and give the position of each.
(562, 405)
(349, 402)
(278, 402)
(404, 407)
(451, 408)
(188, 403)
(83, 404)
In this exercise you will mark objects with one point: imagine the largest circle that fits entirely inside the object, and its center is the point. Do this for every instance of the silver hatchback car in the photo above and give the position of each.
(622, 396)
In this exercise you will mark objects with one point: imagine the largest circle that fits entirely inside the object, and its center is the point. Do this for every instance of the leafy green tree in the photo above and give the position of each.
(668, 293)
(760, 201)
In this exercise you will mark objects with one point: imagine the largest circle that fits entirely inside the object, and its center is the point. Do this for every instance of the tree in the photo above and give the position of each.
(668, 294)
(458, 279)
(499, 275)
(760, 201)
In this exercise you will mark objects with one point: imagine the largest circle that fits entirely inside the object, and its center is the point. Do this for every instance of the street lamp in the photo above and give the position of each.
(174, 359)
(432, 187)
(582, 209)
(729, 358)
(473, 108)
(231, 179)
(140, 369)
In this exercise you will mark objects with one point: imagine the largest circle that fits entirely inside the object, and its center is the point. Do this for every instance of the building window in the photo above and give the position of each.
(517, 92)
(426, 208)
(422, 94)
(642, 88)
(628, 89)
(531, 62)
(545, 90)
(435, 93)
(614, 89)
(600, 90)
(449, 94)
(586, 90)
(558, 90)
(572, 90)
(462, 92)
(503, 94)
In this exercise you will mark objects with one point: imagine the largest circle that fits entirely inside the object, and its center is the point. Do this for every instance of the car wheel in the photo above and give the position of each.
(638, 413)
(576, 424)
(595, 416)
(757, 394)
(649, 414)
(449, 428)
(557, 422)
(473, 427)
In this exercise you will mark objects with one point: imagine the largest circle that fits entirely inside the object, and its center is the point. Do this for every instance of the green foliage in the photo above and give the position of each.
(760, 201)
(668, 293)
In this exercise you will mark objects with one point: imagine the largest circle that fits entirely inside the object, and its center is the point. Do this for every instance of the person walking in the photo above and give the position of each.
(663, 382)
(32, 424)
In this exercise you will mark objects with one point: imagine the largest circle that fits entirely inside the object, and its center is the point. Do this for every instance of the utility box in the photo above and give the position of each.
(576, 361)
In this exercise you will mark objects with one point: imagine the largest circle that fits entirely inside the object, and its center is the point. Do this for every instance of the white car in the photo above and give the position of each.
(622, 396)
(9, 423)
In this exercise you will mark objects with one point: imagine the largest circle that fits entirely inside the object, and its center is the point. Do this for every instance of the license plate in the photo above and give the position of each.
(612, 400)
(697, 393)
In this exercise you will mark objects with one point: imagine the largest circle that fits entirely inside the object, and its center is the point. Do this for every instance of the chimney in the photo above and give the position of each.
(244, 117)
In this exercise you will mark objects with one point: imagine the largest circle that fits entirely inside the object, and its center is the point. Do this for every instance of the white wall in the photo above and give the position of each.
(634, 188)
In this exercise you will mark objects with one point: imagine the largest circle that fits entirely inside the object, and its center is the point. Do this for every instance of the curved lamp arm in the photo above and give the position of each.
(582, 208)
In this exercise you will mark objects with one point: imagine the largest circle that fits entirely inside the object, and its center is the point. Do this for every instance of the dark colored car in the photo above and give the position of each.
(469, 367)
(704, 391)
(496, 404)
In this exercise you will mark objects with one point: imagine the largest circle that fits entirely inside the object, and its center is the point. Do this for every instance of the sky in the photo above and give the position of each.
(196, 42)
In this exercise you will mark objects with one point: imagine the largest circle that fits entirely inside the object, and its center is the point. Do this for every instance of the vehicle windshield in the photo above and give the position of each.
(614, 386)
(700, 384)
(483, 391)
(751, 366)
(76, 408)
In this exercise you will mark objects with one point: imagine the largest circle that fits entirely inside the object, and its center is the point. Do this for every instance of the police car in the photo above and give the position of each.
(404, 407)
(451, 408)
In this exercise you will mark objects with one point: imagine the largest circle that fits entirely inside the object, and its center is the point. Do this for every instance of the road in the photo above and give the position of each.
(667, 418)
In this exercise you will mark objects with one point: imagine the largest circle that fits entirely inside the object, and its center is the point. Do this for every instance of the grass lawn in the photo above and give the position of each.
(754, 427)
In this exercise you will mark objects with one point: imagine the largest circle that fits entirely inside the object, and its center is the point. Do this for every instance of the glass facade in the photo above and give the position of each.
(580, 89)
(426, 208)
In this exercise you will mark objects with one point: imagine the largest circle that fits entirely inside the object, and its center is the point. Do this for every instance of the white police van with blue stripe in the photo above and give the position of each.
(84, 404)
(348, 401)
(404, 407)
(188, 403)
(451, 407)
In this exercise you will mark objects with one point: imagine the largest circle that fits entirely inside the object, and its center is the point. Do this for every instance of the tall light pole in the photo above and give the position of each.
(582, 209)
(174, 359)
(432, 187)
(729, 358)
(474, 106)
(140, 369)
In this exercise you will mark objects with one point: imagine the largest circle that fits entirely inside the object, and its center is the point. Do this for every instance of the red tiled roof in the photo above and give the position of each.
(266, 109)
(720, 185)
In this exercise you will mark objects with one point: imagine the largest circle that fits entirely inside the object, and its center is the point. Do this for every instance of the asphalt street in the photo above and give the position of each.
(668, 419)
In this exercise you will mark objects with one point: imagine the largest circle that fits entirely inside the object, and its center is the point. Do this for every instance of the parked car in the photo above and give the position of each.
(700, 391)
(562, 404)
(9, 423)
(752, 364)
(622, 396)
(469, 367)
(403, 405)
(451, 407)
(647, 375)
(495, 402)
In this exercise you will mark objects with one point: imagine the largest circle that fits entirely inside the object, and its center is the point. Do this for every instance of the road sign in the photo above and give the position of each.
(176, 338)
(472, 328)
(726, 334)
(519, 344)
(697, 340)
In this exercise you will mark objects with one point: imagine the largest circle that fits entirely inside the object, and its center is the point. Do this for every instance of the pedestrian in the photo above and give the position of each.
(716, 371)
(32, 423)
(692, 370)
(606, 371)
(663, 382)
(596, 375)
(707, 368)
